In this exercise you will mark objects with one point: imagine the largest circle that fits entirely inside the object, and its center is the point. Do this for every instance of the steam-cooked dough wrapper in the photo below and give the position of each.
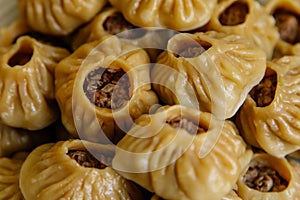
(81, 113)
(209, 71)
(275, 127)
(200, 156)
(247, 18)
(51, 172)
(110, 22)
(9, 176)
(180, 15)
(55, 17)
(105, 24)
(232, 195)
(27, 98)
(288, 26)
(295, 164)
(13, 140)
(285, 182)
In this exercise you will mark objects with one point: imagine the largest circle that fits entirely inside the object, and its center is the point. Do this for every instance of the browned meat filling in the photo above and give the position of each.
(116, 24)
(263, 94)
(22, 56)
(264, 179)
(107, 87)
(288, 26)
(192, 50)
(235, 14)
(186, 124)
(85, 159)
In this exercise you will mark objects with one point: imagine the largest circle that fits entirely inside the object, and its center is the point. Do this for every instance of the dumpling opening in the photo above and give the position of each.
(264, 178)
(263, 94)
(288, 24)
(117, 24)
(191, 48)
(235, 14)
(22, 56)
(187, 124)
(107, 87)
(85, 159)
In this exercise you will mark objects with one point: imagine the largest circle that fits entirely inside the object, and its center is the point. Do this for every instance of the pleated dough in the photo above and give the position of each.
(180, 153)
(179, 15)
(288, 27)
(27, 98)
(80, 115)
(209, 71)
(58, 17)
(274, 127)
(253, 23)
(54, 171)
(279, 165)
(9, 176)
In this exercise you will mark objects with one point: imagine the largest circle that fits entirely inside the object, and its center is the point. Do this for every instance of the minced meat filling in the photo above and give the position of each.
(264, 179)
(107, 87)
(116, 24)
(85, 159)
(263, 94)
(235, 14)
(288, 26)
(186, 124)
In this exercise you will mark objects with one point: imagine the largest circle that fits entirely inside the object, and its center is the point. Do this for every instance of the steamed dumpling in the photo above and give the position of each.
(269, 178)
(180, 153)
(209, 71)
(27, 98)
(74, 169)
(270, 116)
(58, 17)
(287, 17)
(180, 15)
(247, 18)
(13, 140)
(102, 87)
(9, 176)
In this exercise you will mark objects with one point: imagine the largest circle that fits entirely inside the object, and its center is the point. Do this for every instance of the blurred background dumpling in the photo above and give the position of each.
(185, 14)
(58, 17)
(247, 18)
(287, 20)
(9, 176)
(13, 140)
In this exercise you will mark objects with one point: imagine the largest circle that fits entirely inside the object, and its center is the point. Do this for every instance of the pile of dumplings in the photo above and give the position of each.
(134, 100)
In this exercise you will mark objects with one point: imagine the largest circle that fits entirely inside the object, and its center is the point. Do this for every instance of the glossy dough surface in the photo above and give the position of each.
(282, 166)
(57, 17)
(254, 26)
(202, 165)
(90, 120)
(49, 173)
(217, 80)
(275, 127)
(27, 83)
(185, 14)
